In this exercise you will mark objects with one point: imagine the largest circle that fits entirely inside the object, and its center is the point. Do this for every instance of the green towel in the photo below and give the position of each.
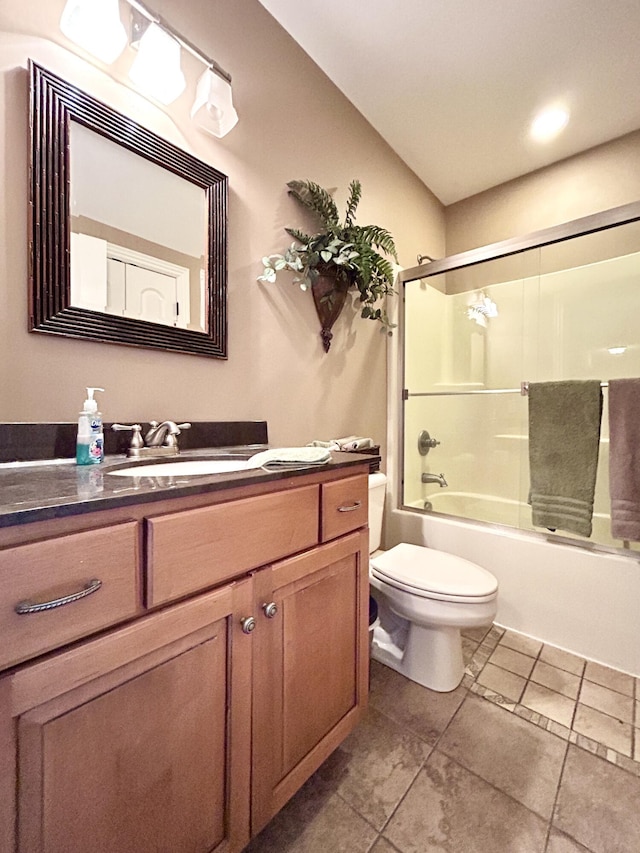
(564, 436)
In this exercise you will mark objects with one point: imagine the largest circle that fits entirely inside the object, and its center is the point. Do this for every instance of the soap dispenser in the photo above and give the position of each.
(90, 442)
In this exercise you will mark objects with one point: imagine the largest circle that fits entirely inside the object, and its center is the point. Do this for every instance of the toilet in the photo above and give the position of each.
(425, 597)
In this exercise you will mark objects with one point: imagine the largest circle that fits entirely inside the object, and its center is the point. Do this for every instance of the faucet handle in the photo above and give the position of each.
(136, 438)
(171, 438)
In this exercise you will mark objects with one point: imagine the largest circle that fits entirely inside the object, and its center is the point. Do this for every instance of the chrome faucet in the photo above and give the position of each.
(160, 439)
(164, 434)
(435, 478)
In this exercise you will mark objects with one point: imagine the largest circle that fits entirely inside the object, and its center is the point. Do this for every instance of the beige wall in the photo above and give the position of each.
(599, 179)
(293, 124)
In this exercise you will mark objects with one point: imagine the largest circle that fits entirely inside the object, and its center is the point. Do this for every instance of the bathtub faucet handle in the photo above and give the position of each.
(425, 442)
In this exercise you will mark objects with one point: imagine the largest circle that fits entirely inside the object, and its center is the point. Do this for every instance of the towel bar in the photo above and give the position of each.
(524, 387)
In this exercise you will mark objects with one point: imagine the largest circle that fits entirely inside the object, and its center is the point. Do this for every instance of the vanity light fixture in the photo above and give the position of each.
(549, 123)
(213, 109)
(156, 69)
(620, 350)
(96, 27)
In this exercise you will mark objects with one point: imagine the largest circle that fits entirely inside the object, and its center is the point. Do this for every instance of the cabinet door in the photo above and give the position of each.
(137, 742)
(310, 666)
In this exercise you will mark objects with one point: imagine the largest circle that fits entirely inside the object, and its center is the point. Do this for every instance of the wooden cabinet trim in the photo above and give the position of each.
(344, 506)
(192, 550)
(302, 565)
(8, 775)
(38, 572)
(39, 682)
(294, 780)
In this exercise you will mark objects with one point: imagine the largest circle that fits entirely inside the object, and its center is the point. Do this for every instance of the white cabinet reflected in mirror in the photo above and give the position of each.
(129, 232)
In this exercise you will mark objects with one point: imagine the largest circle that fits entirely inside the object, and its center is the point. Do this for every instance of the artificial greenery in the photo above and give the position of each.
(352, 252)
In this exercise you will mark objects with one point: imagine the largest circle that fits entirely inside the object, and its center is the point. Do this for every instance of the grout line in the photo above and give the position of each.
(577, 702)
(555, 799)
(403, 797)
(609, 754)
(497, 788)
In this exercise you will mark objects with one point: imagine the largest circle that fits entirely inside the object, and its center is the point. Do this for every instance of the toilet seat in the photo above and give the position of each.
(434, 574)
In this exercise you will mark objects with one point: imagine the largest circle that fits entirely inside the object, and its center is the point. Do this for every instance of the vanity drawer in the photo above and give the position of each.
(199, 548)
(345, 506)
(58, 569)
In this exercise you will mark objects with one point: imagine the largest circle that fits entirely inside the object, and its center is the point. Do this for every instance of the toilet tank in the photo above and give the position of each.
(377, 489)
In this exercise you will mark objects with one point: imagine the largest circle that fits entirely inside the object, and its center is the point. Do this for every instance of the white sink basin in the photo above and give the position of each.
(192, 468)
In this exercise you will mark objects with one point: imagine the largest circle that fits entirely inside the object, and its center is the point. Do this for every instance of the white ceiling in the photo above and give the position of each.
(452, 85)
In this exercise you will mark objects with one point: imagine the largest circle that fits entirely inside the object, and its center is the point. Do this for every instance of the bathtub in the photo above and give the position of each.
(580, 599)
(499, 510)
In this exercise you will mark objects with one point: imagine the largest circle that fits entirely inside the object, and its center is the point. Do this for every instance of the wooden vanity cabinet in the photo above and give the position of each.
(310, 666)
(135, 742)
(185, 728)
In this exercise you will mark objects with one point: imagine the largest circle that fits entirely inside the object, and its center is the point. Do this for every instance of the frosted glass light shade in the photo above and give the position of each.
(156, 69)
(213, 110)
(95, 26)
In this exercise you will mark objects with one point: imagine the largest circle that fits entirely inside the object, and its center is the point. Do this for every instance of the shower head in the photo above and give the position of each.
(422, 258)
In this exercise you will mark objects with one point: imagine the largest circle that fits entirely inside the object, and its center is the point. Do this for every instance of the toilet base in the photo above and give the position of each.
(441, 669)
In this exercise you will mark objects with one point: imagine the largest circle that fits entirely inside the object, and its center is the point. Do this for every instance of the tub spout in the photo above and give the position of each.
(435, 478)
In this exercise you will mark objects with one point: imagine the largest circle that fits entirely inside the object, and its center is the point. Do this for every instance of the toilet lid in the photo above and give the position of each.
(434, 574)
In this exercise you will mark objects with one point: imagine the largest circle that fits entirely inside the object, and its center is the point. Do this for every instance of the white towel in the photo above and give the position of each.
(293, 457)
(349, 442)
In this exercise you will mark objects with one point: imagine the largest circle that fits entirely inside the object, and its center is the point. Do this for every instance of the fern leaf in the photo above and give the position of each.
(355, 192)
(316, 199)
(300, 236)
(380, 238)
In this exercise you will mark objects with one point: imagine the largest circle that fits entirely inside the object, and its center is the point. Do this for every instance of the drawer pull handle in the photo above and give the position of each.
(350, 508)
(25, 607)
(248, 624)
(270, 609)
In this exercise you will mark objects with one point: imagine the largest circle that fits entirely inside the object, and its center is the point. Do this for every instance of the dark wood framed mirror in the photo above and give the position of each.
(128, 233)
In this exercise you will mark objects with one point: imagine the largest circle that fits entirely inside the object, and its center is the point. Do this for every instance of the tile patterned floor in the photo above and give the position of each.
(582, 702)
(533, 753)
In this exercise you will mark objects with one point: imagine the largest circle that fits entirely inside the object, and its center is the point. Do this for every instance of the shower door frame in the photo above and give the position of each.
(602, 221)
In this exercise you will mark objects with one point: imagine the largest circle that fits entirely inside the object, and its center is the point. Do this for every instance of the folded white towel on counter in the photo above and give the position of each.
(356, 443)
(350, 442)
(290, 457)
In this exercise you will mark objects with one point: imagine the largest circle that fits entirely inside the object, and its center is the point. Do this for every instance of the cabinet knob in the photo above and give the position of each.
(270, 609)
(248, 624)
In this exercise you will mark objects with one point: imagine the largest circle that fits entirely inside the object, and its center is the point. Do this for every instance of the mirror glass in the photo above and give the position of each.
(129, 232)
(145, 260)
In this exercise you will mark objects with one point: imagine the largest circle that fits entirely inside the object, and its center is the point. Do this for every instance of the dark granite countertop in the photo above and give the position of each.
(60, 488)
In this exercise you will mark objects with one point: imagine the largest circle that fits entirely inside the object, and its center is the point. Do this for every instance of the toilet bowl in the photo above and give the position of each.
(425, 597)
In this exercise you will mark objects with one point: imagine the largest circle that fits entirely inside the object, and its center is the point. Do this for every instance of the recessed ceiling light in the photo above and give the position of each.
(548, 123)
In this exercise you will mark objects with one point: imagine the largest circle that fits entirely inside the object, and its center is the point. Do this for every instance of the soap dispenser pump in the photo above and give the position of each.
(90, 442)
